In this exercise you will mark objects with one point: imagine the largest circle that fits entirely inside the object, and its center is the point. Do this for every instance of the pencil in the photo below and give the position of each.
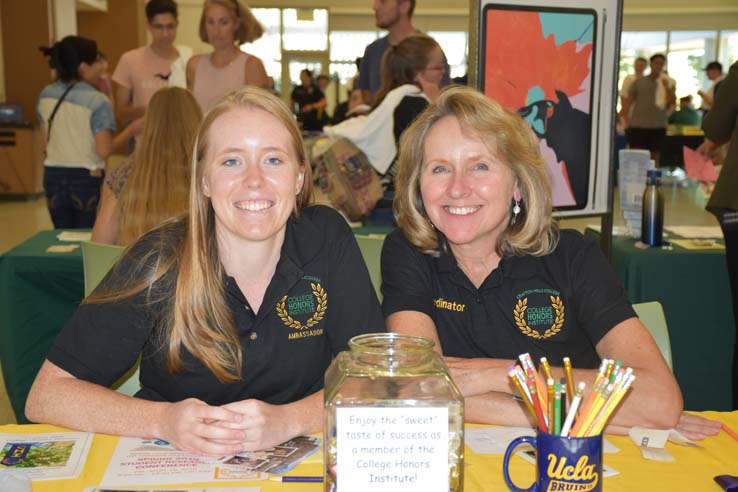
(550, 394)
(587, 405)
(523, 393)
(573, 409)
(730, 431)
(611, 405)
(569, 378)
(557, 410)
(541, 417)
(546, 369)
(595, 411)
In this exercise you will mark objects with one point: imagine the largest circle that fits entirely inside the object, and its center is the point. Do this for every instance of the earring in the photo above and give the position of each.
(515, 211)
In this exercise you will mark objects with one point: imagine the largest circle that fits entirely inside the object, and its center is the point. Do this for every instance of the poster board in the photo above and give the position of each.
(555, 63)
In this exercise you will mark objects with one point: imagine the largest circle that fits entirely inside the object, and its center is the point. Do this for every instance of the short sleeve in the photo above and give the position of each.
(102, 117)
(352, 300)
(364, 69)
(406, 277)
(122, 73)
(601, 300)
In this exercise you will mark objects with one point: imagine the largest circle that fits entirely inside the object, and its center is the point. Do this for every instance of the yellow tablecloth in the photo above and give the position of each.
(693, 469)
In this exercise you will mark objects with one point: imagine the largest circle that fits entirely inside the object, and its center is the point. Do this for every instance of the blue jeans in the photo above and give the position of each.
(72, 195)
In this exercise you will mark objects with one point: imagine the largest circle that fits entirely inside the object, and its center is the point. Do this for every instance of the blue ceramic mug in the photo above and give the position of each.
(563, 463)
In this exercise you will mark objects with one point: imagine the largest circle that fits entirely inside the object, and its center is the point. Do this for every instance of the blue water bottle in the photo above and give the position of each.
(652, 218)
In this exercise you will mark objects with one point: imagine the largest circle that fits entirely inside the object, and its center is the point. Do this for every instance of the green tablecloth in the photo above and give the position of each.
(38, 293)
(692, 286)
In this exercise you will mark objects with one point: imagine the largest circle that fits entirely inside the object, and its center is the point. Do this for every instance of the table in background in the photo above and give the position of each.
(676, 139)
(694, 290)
(39, 291)
(693, 469)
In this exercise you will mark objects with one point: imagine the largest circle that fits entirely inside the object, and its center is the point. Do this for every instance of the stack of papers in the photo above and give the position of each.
(632, 182)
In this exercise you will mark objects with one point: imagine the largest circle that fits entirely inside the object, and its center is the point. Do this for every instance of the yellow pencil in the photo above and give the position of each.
(589, 417)
(598, 387)
(612, 404)
(569, 379)
(546, 368)
(523, 393)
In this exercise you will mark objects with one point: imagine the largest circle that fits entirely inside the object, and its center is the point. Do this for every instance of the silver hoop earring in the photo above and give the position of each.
(515, 211)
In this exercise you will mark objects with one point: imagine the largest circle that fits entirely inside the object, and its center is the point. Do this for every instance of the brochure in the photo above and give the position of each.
(51, 456)
(155, 461)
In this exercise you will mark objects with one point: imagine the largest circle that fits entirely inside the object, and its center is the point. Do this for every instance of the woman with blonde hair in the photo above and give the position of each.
(225, 25)
(154, 184)
(479, 266)
(216, 301)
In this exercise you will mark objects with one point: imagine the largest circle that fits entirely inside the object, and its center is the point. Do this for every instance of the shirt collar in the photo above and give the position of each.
(517, 267)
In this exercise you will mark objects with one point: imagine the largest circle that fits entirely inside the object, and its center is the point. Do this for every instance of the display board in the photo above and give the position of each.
(555, 63)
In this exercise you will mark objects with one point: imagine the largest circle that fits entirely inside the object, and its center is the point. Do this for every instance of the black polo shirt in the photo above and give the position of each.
(556, 305)
(320, 296)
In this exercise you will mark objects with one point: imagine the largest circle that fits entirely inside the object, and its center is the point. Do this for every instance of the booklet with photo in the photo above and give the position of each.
(50, 456)
(155, 461)
(279, 459)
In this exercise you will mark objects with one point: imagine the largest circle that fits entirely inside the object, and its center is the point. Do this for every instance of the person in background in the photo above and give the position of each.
(225, 25)
(153, 184)
(104, 83)
(309, 102)
(714, 72)
(323, 82)
(720, 125)
(77, 127)
(236, 309)
(396, 17)
(639, 67)
(686, 114)
(143, 71)
(650, 97)
(478, 254)
(412, 74)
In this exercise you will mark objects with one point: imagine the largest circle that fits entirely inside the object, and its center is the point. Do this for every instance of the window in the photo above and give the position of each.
(305, 29)
(346, 47)
(268, 47)
(454, 45)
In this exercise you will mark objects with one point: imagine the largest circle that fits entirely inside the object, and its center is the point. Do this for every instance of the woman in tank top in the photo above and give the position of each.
(225, 24)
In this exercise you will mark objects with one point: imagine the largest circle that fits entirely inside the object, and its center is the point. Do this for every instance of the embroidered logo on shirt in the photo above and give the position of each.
(317, 304)
(442, 303)
(549, 316)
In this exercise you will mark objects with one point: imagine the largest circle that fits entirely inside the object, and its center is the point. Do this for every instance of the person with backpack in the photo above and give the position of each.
(77, 127)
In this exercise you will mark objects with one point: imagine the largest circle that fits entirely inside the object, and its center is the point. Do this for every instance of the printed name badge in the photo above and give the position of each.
(392, 449)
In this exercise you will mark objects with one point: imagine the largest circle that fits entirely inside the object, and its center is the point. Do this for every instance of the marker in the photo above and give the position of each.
(550, 394)
(296, 478)
(557, 410)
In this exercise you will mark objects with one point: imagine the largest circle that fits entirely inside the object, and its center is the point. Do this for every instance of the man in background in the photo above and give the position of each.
(143, 71)
(639, 67)
(714, 72)
(396, 17)
(650, 97)
(686, 115)
(721, 126)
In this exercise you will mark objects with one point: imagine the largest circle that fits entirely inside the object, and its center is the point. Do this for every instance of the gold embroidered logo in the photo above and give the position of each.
(321, 299)
(519, 314)
(450, 305)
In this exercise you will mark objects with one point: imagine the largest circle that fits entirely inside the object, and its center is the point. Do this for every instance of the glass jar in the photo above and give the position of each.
(394, 419)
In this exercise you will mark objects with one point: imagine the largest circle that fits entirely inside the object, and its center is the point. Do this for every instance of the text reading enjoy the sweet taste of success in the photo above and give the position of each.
(392, 449)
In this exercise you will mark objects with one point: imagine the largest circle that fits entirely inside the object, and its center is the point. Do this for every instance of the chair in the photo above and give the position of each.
(97, 259)
(371, 250)
(652, 315)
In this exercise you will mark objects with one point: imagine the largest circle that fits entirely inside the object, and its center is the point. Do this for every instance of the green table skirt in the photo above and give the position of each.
(39, 291)
(694, 290)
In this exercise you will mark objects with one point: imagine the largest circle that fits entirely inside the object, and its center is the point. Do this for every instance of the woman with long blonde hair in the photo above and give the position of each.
(236, 309)
(154, 185)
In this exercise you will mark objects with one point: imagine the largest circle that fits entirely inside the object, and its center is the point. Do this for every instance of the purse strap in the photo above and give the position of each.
(56, 108)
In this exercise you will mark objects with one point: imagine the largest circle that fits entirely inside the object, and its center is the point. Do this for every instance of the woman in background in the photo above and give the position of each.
(77, 127)
(225, 25)
(153, 185)
(411, 78)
